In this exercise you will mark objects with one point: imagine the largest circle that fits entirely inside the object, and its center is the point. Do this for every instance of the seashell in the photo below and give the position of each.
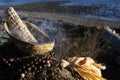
(32, 48)
(17, 27)
(27, 36)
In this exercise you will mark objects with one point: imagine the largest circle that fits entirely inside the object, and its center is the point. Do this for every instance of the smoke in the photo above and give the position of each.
(53, 29)
(56, 31)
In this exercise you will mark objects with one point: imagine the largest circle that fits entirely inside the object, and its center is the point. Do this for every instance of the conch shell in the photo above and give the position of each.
(27, 36)
(85, 66)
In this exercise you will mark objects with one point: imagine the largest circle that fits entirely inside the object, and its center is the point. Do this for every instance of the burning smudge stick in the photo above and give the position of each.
(27, 36)
(17, 26)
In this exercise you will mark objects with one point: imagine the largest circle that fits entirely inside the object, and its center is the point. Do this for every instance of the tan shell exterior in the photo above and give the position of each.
(28, 47)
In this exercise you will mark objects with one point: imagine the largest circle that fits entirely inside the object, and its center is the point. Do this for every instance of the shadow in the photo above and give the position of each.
(8, 50)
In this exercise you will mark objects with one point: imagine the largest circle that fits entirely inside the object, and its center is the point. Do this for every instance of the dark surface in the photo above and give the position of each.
(13, 63)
